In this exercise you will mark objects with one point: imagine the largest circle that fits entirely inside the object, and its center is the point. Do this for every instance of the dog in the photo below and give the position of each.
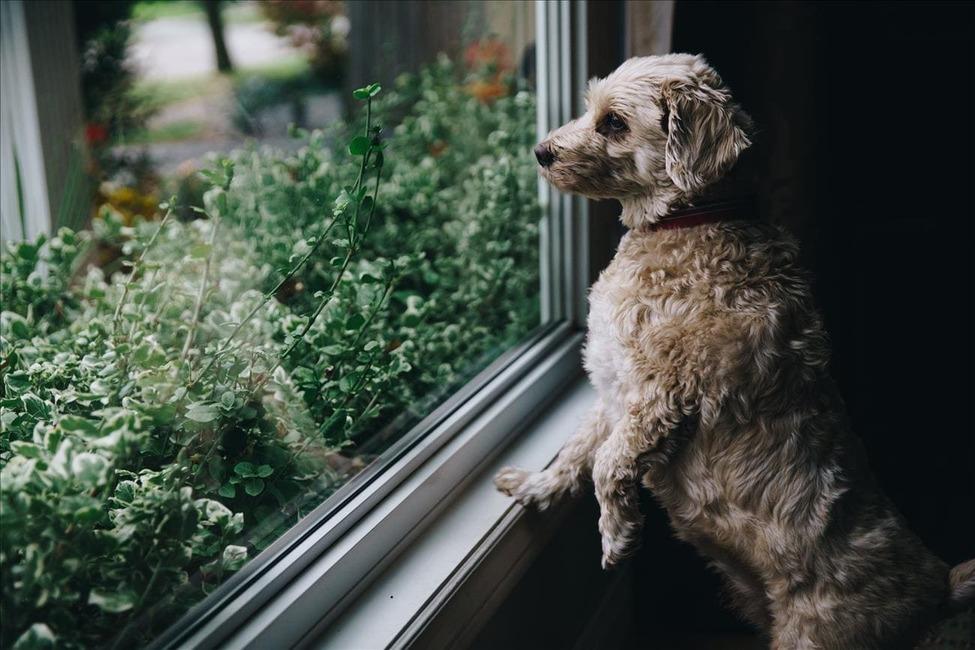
(709, 361)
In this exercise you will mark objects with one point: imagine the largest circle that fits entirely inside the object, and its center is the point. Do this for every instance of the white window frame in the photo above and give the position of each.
(42, 182)
(305, 580)
(22, 172)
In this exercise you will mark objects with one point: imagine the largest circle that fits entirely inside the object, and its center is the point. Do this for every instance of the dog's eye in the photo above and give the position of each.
(611, 124)
(615, 122)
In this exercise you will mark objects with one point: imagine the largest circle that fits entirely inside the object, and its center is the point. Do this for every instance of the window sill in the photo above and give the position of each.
(420, 540)
(481, 534)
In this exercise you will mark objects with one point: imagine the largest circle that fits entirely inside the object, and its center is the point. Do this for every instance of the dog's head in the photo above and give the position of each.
(659, 129)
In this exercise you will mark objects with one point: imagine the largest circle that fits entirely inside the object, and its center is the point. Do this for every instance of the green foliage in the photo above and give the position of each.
(163, 425)
(108, 79)
(319, 29)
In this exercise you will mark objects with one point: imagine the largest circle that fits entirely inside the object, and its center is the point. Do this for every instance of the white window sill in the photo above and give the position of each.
(479, 527)
(440, 539)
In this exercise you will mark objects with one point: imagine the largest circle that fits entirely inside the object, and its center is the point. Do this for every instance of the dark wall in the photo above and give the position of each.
(865, 152)
(561, 594)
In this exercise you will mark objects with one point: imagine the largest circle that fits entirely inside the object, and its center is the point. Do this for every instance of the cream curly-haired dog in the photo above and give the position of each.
(710, 363)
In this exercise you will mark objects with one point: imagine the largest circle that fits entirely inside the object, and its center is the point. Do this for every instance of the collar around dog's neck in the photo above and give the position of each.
(735, 210)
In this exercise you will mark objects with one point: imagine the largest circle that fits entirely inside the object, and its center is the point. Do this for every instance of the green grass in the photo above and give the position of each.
(158, 94)
(172, 132)
(156, 9)
(149, 10)
(284, 69)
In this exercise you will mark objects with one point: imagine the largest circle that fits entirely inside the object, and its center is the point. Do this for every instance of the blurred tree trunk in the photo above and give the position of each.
(215, 20)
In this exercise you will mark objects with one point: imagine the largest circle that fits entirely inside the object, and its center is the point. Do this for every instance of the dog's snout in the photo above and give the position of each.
(544, 155)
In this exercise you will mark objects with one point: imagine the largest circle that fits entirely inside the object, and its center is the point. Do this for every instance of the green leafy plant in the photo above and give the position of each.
(163, 424)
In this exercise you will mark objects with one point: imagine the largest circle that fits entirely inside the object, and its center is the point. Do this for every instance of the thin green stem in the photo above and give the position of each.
(264, 300)
(318, 309)
(365, 326)
(355, 238)
(117, 318)
(352, 393)
(150, 278)
(198, 307)
(355, 389)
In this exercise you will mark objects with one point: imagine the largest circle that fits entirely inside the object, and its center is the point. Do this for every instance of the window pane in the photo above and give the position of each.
(267, 281)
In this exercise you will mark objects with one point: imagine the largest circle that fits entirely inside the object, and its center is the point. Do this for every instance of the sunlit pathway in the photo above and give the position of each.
(181, 47)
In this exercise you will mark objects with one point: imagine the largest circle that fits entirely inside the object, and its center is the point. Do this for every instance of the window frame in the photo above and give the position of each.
(23, 176)
(315, 570)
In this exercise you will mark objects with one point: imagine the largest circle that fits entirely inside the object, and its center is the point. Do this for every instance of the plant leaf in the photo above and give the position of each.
(202, 412)
(115, 602)
(253, 486)
(79, 425)
(359, 145)
(36, 637)
(245, 469)
(233, 557)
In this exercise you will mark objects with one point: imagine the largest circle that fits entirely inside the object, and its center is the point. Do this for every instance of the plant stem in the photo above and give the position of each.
(151, 584)
(326, 299)
(304, 445)
(117, 318)
(365, 326)
(355, 237)
(198, 307)
(264, 300)
(150, 278)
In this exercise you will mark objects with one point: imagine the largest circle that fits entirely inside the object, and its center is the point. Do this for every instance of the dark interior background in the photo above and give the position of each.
(865, 152)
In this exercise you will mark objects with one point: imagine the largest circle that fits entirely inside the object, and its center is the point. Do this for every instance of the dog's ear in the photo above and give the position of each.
(706, 132)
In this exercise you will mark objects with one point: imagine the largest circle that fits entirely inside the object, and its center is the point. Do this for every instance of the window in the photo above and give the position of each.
(273, 300)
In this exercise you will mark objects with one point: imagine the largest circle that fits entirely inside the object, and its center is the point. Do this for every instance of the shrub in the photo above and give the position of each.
(163, 425)
(319, 28)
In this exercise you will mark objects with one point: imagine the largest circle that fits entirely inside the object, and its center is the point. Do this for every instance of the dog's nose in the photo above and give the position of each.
(544, 155)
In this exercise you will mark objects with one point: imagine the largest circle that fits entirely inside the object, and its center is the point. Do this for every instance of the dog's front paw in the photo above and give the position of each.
(510, 479)
(530, 489)
(613, 553)
(619, 539)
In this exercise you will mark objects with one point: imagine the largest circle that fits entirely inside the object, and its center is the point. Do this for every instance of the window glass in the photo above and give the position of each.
(256, 280)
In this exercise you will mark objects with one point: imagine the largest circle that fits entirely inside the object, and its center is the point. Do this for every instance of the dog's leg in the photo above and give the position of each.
(566, 473)
(619, 463)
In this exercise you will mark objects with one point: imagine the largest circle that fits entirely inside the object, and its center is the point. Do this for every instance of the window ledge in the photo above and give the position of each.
(480, 533)
(421, 542)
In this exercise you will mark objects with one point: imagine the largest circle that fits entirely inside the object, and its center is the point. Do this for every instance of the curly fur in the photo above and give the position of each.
(710, 362)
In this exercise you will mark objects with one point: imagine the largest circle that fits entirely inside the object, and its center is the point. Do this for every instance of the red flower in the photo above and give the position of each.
(488, 51)
(95, 133)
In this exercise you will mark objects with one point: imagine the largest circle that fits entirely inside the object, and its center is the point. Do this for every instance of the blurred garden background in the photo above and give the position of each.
(285, 67)
(162, 83)
(230, 283)
(166, 82)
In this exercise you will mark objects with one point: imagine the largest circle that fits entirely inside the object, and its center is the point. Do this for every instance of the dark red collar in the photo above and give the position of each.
(737, 210)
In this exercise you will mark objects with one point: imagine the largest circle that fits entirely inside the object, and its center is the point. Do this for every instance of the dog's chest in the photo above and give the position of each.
(622, 311)
(603, 356)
